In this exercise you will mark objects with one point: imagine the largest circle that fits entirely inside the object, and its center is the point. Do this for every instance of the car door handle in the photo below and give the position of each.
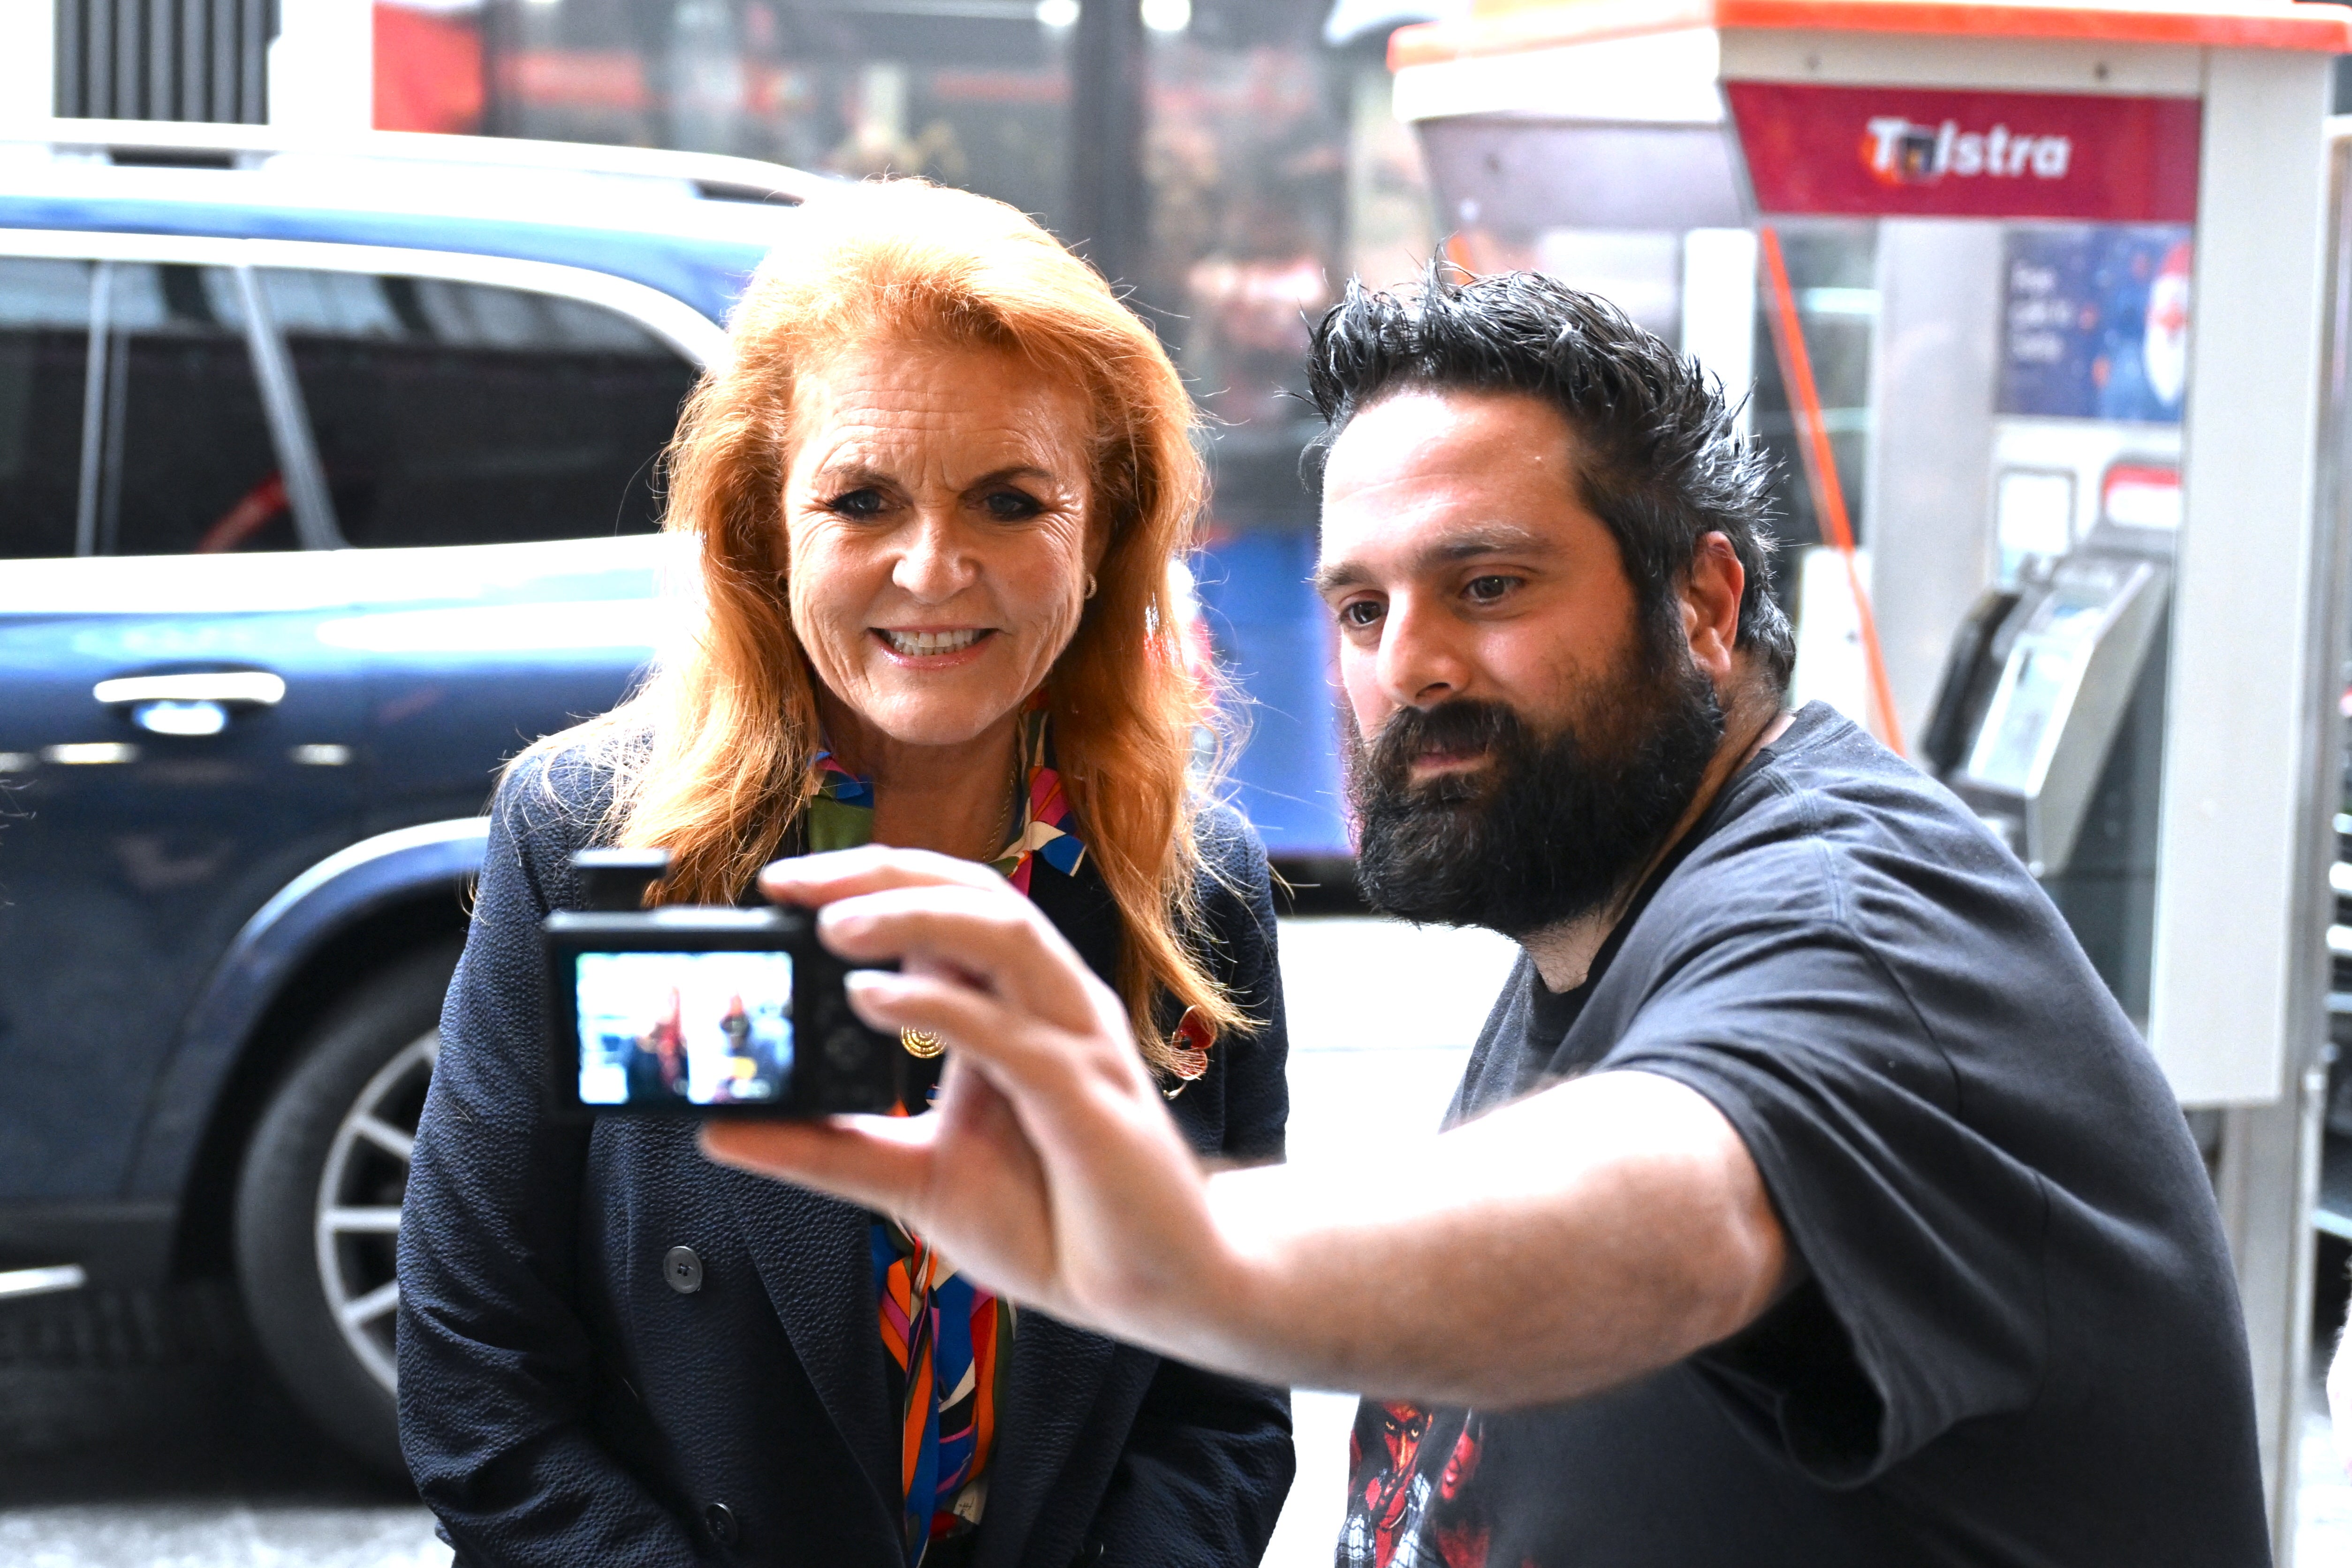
(196, 704)
(229, 688)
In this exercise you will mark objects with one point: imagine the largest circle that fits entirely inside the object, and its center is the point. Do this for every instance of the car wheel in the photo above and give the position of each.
(318, 1204)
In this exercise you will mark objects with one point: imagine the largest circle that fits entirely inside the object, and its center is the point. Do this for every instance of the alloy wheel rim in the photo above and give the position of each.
(356, 1219)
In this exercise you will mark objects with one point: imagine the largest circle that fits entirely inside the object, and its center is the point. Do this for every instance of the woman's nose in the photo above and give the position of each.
(935, 563)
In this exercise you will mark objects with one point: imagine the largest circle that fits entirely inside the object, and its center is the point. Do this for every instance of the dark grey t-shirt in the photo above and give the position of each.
(2018, 1341)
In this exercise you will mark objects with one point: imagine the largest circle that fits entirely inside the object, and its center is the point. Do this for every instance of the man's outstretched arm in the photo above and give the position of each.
(1580, 1238)
(1574, 1240)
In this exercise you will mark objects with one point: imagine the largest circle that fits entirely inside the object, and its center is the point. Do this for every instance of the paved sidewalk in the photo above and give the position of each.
(204, 1534)
(139, 1432)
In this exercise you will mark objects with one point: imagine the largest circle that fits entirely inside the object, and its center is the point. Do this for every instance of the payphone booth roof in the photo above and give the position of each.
(1502, 26)
(1670, 114)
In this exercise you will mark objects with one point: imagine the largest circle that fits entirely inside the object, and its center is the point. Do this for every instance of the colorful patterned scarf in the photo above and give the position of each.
(947, 1338)
(841, 814)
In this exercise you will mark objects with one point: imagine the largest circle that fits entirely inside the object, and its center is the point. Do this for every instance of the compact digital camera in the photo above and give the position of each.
(701, 1011)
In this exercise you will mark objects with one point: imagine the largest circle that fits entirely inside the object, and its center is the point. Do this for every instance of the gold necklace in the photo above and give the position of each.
(1004, 817)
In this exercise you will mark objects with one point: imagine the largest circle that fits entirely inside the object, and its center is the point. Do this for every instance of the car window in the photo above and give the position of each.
(450, 413)
(188, 465)
(43, 363)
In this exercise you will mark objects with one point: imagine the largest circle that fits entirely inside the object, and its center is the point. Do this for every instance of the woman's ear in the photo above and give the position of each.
(1097, 551)
(1099, 529)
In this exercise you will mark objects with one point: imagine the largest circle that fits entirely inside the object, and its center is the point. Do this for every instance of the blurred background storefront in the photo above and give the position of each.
(1229, 163)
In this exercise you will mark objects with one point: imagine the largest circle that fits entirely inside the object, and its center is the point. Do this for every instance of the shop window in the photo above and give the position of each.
(972, 94)
(449, 412)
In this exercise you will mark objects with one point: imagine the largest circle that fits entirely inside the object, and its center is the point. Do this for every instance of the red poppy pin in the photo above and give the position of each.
(1188, 1048)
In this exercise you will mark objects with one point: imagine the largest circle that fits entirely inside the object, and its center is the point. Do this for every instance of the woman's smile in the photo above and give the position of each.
(928, 648)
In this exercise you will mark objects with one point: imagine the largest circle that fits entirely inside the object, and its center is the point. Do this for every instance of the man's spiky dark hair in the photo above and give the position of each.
(1659, 456)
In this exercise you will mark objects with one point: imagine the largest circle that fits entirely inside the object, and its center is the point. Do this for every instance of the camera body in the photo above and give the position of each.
(701, 1011)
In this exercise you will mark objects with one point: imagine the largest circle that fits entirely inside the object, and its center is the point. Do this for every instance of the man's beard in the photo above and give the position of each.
(1551, 828)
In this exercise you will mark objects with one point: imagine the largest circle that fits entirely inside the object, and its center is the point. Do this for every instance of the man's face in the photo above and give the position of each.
(1526, 734)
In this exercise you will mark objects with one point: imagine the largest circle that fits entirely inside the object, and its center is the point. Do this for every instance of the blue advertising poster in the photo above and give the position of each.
(1274, 636)
(2096, 321)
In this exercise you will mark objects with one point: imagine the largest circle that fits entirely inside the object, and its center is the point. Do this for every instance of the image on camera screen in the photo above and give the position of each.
(704, 1029)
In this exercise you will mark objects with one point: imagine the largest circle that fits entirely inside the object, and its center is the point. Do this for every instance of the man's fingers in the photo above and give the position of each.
(992, 936)
(928, 910)
(978, 926)
(984, 1033)
(812, 880)
(879, 1162)
(954, 1012)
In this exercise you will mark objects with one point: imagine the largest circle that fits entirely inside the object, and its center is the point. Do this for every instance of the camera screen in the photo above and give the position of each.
(704, 1029)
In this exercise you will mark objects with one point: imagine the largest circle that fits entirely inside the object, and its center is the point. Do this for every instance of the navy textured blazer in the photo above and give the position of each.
(561, 1402)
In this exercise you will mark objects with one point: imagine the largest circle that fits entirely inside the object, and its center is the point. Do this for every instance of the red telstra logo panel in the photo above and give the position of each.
(1867, 151)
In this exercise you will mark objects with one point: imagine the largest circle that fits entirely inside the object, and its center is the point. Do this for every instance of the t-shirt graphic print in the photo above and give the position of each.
(1414, 1499)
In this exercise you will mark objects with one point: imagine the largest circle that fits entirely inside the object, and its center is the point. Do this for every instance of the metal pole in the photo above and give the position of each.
(1110, 204)
(290, 420)
(2269, 1176)
(502, 41)
(69, 23)
(93, 408)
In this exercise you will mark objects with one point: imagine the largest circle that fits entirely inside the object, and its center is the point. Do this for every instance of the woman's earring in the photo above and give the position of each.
(1090, 585)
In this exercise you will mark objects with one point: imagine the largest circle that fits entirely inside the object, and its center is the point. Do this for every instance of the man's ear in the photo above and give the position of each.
(1711, 593)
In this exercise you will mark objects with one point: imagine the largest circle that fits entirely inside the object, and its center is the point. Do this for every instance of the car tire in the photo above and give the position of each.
(318, 1202)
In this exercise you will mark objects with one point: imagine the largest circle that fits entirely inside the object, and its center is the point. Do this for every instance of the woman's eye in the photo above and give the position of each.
(867, 503)
(1009, 506)
(1487, 590)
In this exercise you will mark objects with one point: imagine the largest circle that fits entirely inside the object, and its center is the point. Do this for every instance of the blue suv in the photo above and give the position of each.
(326, 482)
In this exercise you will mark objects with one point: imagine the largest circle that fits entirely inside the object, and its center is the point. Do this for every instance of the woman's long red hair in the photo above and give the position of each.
(712, 758)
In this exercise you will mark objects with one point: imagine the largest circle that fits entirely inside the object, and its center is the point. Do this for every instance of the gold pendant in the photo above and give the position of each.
(921, 1043)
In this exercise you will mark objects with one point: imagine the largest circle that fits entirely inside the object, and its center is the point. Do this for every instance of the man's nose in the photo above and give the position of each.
(936, 563)
(1421, 660)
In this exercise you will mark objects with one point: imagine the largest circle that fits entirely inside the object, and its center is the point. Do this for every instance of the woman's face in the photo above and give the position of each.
(936, 528)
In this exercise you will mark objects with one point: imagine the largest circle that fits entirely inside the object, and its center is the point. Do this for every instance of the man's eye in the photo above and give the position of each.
(1487, 590)
(865, 503)
(1360, 612)
(1011, 506)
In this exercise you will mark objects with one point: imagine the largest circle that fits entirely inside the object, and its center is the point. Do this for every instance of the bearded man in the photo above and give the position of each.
(1807, 1199)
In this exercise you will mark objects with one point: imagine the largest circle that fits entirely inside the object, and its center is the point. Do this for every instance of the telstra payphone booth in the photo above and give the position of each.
(2043, 293)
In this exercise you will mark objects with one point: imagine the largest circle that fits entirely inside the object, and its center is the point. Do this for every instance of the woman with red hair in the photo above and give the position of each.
(936, 491)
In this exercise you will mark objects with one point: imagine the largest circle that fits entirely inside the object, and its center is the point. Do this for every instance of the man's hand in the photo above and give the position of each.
(1051, 1151)
(1581, 1236)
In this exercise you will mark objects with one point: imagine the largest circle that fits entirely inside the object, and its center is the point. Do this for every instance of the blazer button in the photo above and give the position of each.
(722, 1519)
(683, 1269)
